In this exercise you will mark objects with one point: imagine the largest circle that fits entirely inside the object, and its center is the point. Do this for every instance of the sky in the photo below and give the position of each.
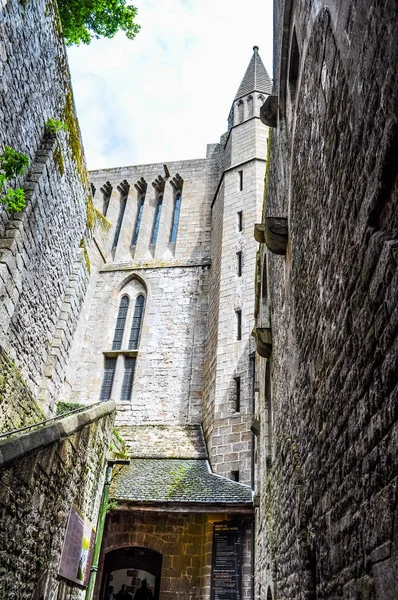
(166, 94)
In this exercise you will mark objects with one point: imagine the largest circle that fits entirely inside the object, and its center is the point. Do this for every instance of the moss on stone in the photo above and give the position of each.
(101, 221)
(59, 159)
(82, 245)
(90, 212)
(74, 137)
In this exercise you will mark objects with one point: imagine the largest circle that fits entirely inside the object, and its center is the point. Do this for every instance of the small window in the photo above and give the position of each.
(138, 220)
(109, 374)
(136, 325)
(156, 221)
(235, 475)
(128, 378)
(239, 264)
(238, 324)
(240, 221)
(120, 323)
(240, 173)
(176, 217)
(122, 209)
(237, 394)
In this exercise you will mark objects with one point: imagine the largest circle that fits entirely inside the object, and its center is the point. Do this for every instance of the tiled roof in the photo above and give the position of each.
(256, 77)
(173, 480)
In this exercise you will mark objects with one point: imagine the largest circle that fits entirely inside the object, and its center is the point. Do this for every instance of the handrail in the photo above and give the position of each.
(50, 420)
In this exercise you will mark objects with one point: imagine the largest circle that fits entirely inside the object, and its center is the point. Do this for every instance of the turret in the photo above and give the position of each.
(255, 87)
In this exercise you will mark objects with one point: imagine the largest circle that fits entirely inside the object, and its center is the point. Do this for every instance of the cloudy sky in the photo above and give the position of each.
(166, 94)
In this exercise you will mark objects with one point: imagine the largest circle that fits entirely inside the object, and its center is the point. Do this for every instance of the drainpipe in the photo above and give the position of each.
(100, 532)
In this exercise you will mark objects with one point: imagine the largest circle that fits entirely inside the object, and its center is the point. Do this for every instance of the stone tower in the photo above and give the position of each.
(229, 392)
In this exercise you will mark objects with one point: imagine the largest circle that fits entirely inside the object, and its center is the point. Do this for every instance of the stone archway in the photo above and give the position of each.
(129, 565)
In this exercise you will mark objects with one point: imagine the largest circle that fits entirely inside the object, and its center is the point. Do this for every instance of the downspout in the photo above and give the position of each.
(100, 532)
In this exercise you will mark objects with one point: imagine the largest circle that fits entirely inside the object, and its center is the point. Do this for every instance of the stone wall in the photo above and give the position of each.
(17, 404)
(34, 514)
(326, 525)
(41, 263)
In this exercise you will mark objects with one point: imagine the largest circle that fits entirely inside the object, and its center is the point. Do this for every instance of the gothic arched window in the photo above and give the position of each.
(120, 323)
(138, 220)
(157, 220)
(176, 217)
(250, 106)
(136, 324)
(240, 111)
(123, 202)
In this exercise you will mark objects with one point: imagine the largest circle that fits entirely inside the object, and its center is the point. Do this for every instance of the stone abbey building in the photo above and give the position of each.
(200, 367)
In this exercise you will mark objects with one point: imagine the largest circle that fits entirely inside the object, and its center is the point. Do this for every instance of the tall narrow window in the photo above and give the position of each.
(240, 173)
(120, 323)
(239, 324)
(136, 325)
(250, 106)
(239, 264)
(157, 220)
(109, 374)
(237, 394)
(122, 209)
(138, 220)
(176, 217)
(240, 220)
(240, 111)
(128, 378)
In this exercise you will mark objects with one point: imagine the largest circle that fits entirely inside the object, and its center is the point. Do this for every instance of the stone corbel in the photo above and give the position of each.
(276, 234)
(259, 233)
(255, 428)
(269, 111)
(263, 341)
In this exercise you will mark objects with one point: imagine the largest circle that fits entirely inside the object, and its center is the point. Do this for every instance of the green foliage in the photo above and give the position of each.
(83, 20)
(13, 164)
(14, 200)
(53, 126)
(111, 505)
(65, 407)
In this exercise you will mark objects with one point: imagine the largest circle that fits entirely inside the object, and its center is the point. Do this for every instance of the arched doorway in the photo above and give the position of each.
(129, 566)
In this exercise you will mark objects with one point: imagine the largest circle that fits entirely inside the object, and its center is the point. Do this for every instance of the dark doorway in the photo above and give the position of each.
(130, 566)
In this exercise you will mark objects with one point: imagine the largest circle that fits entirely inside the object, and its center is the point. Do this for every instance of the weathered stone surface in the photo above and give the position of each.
(36, 494)
(329, 497)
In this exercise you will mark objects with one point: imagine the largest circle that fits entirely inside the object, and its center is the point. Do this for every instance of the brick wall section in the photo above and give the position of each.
(185, 542)
(34, 514)
(39, 247)
(329, 503)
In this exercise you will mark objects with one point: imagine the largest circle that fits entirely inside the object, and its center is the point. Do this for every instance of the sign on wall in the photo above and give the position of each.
(226, 572)
(77, 552)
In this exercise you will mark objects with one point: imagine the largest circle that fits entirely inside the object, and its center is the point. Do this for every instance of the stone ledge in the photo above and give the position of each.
(16, 448)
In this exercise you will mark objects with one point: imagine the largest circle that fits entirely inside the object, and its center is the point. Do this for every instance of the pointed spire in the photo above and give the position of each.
(256, 78)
